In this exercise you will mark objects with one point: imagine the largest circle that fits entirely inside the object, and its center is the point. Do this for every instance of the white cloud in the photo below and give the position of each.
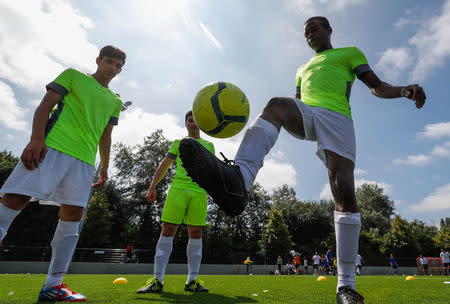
(359, 171)
(432, 43)
(317, 7)
(12, 115)
(393, 62)
(443, 150)
(436, 130)
(436, 201)
(39, 39)
(326, 190)
(415, 160)
(276, 173)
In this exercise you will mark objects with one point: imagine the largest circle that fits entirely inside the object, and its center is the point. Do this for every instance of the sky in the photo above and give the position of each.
(176, 47)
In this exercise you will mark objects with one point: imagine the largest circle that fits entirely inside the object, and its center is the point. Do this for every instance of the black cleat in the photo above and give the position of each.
(152, 286)
(223, 181)
(196, 286)
(346, 295)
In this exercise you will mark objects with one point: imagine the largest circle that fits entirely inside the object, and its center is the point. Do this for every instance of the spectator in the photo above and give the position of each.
(248, 263)
(394, 264)
(297, 263)
(316, 263)
(279, 263)
(424, 263)
(359, 262)
(326, 268)
(445, 258)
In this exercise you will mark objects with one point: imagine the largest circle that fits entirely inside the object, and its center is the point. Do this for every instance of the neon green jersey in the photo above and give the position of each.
(326, 80)
(86, 108)
(181, 179)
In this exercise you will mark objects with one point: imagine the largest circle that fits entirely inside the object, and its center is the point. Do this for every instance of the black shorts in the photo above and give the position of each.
(359, 266)
(446, 265)
(394, 267)
(425, 266)
(316, 266)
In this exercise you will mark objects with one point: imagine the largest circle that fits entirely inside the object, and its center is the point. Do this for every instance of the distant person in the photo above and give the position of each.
(329, 255)
(290, 269)
(424, 263)
(129, 250)
(297, 263)
(305, 264)
(248, 262)
(445, 258)
(393, 264)
(359, 262)
(334, 266)
(293, 253)
(279, 264)
(316, 263)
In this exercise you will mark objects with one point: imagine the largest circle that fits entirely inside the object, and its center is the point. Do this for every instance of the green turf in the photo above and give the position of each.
(233, 289)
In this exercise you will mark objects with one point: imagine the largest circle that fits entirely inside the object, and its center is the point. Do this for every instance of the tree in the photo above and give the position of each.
(443, 238)
(97, 225)
(7, 164)
(423, 238)
(275, 240)
(398, 240)
(376, 209)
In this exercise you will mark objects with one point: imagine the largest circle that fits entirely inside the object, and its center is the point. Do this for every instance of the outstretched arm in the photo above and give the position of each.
(159, 174)
(385, 90)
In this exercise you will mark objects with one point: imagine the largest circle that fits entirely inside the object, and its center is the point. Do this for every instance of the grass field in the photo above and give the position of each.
(233, 289)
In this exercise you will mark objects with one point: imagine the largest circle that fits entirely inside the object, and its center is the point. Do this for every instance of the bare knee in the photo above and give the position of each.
(69, 213)
(195, 232)
(169, 229)
(15, 201)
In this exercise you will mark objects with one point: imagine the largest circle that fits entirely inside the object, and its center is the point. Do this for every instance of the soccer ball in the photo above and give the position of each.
(221, 109)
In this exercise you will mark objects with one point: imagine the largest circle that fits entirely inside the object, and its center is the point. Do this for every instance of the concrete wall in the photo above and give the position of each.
(105, 268)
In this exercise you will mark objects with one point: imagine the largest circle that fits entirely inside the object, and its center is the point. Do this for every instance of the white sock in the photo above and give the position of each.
(347, 227)
(63, 245)
(7, 215)
(257, 142)
(162, 255)
(194, 257)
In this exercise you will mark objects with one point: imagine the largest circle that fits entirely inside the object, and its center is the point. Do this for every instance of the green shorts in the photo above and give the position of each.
(185, 206)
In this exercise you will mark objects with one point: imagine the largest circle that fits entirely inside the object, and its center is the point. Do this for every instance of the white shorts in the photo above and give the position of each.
(59, 178)
(332, 130)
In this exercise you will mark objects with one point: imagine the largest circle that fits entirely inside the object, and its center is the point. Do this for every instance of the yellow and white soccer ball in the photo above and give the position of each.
(221, 109)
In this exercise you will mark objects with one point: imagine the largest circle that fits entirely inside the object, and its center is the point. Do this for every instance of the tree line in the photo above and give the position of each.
(272, 224)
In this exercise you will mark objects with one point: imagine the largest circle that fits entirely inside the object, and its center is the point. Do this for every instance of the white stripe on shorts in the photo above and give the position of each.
(60, 178)
(332, 130)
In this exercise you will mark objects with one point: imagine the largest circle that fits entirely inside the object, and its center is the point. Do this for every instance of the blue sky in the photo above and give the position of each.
(175, 47)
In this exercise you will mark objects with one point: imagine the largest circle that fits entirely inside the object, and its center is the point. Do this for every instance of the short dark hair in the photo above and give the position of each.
(324, 21)
(113, 52)
(188, 113)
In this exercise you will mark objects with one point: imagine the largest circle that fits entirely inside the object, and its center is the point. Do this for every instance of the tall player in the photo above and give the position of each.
(320, 112)
(186, 203)
(58, 162)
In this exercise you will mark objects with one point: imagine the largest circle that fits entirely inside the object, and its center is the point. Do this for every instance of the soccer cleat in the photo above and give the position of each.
(196, 285)
(152, 286)
(60, 293)
(222, 180)
(346, 295)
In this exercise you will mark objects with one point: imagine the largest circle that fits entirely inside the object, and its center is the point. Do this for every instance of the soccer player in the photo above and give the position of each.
(186, 203)
(445, 258)
(424, 263)
(279, 264)
(393, 264)
(359, 262)
(320, 112)
(329, 254)
(58, 162)
(305, 263)
(297, 263)
(316, 263)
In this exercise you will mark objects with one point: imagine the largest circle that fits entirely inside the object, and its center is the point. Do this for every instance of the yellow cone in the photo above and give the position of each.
(410, 278)
(120, 281)
(322, 279)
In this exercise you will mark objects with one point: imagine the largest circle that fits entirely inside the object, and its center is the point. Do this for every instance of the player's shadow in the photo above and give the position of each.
(198, 298)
